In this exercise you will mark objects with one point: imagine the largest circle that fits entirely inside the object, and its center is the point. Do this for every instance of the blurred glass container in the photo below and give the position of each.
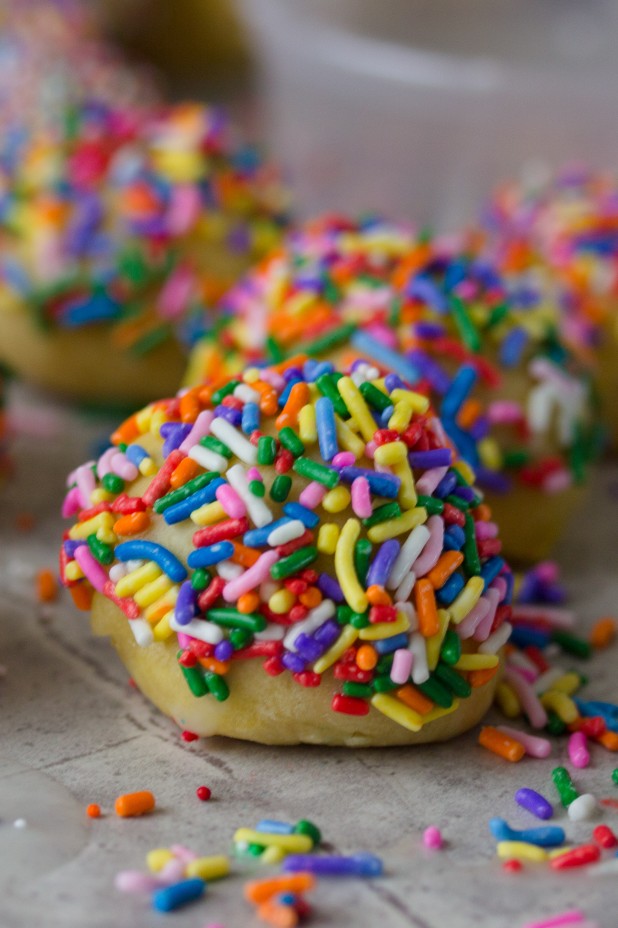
(418, 107)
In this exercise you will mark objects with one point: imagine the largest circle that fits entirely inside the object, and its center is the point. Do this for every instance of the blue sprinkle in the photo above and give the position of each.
(182, 510)
(257, 537)
(512, 347)
(451, 589)
(547, 836)
(388, 645)
(491, 569)
(438, 457)
(250, 418)
(297, 511)
(326, 427)
(458, 391)
(98, 308)
(386, 485)
(136, 454)
(454, 538)
(178, 894)
(273, 827)
(522, 637)
(463, 441)
(382, 564)
(385, 357)
(283, 398)
(211, 554)
(140, 549)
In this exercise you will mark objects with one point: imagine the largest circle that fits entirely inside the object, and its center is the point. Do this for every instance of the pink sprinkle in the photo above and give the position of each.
(469, 625)
(91, 568)
(268, 375)
(430, 480)
(504, 412)
(183, 853)
(231, 501)
(254, 474)
(72, 503)
(344, 459)
(173, 871)
(579, 755)
(134, 881)
(84, 478)
(370, 449)
(535, 746)
(483, 629)
(432, 838)
(401, 666)
(200, 428)
(383, 334)
(484, 530)
(104, 464)
(572, 917)
(121, 466)
(252, 577)
(547, 572)
(312, 495)
(554, 615)
(428, 557)
(184, 209)
(530, 703)
(176, 293)
(557, 482)
(184, 641)
(361, 498)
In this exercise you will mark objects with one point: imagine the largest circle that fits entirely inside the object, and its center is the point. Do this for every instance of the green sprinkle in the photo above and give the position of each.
(458, 502)
(359, 619)
(212, 443)
(382, 514)
(281, 486)
(220, 394)
(305, 827)
(313, 470)
(232, 618)
(200, 579)
(255, 850)
(132, 266)
(452, 680)
(384, 665)
(472, 561)
(344, 614)
(497, 314)
(359, 690)
(266, 449)
(375, 397)
(290, 440)
(296, 561)
(274, 354)
(195, 678)
(451, 647)
(615, 776)
(362, 556)
(564, 785)
(103, 552)
(466, 327)
(327, 385)
(183, 492)
(384, 684)
(579, 647)
(217, 686)
(333, 338)
(394, 314)
(434, 507)
(257, 488)
(436, 691)
(555, 725)
(240, 637)
(112, 483)
(516, 459)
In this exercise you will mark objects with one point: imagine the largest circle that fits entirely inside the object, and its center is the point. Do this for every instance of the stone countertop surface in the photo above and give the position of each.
(72, 732)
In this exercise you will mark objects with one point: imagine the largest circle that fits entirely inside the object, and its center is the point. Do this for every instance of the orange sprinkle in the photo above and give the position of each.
(609, 740)
(158, 612)
(478, 678)
(186, 470)
(82, 596)
(132, 524)
(425, 603)
(189, 405)
(126, 432)
(366, 657)
(446, 565)
(215, 666)
(243, 555)
(268, 397)
(469, 413)
(413, 698)
(482, 513)
(299, 397)
(499, 743)
(93, 810)
(206, 390)
(603, 632)
(277, 914)
(258, 891)
(378, 596)
(46, 586)
(131, 804)
(247, 603)
(297, 361)
(311, 598)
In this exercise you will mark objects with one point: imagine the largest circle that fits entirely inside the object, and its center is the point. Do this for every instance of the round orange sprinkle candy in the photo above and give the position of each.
(46, 586)
(378, 596)
(603, 632)
(366, 657)
(247, 603)
(311, 597)
(93, 810)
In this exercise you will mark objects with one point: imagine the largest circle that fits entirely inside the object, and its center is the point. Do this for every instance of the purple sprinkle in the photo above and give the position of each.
(480, 429)
(175, 436)
(429, 330)
(292, 373)
(293, 662)
(430, 370)
(425, 460)
(327, 633)
(393, 382)
(186, 606)
(231, 415)
(308, 649)
(224, 650)
(492, 480)
(465, 493)
(71, 547)
(330, 588)
(386, 485)
(446, 485)
(382, 563)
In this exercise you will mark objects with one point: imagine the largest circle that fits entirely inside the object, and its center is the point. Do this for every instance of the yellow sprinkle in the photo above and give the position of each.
(434, 643)
(401, 416)
(136, 579)
(306, 425)
(562, 705)
(417, 401)
(157, 419)
(392, 453)
(143, 417)
(393, 527)
(151, 592)
(439, 712)
(281, 601)
(348, 439)
(378, 630)
(158, 858)
(520, 850)
(107, 535)
(490, 454)
(292, 844)
(347, 638)
(157, 610)
(297, 304)
(344, 566)
(208, 514)
(103, 520)
(568, 683)
(147, 467)
(463, 468)
(397, 711)
(251, 375)
(272, 855)
(560, 851)
(477, 662)
(163, 630)
(73, 571)
(209, 868)
(357, 407)
(100, 496)
(507, 700)
(467, 599)
(407, 491)
(328, 537)
(337, 500)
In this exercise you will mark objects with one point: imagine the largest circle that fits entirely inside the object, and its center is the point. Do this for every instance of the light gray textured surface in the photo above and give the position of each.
(72, 731)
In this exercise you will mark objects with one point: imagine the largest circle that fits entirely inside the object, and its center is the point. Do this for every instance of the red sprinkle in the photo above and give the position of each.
(578, 857)
(189, 736)
(308, 678)
(160, 484)
(222, 531)
(604, 836)
(203, 793)
(513, 866)
(211, 594)
(349, 705)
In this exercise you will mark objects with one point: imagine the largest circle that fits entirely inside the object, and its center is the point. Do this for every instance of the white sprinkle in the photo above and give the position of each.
(142, 632)
(496, 641)
(246, 394)
(286, 532)
(310, 623)
(211, 460)
(259, 513)
(272, 632)
(583, 808)
(228, 570)
(403, 591)
(117, 572)
(20, 823)
(235, 440)
(410, 551)
(200, 629)
(420, 670)
(409, 611)
(199, 430)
